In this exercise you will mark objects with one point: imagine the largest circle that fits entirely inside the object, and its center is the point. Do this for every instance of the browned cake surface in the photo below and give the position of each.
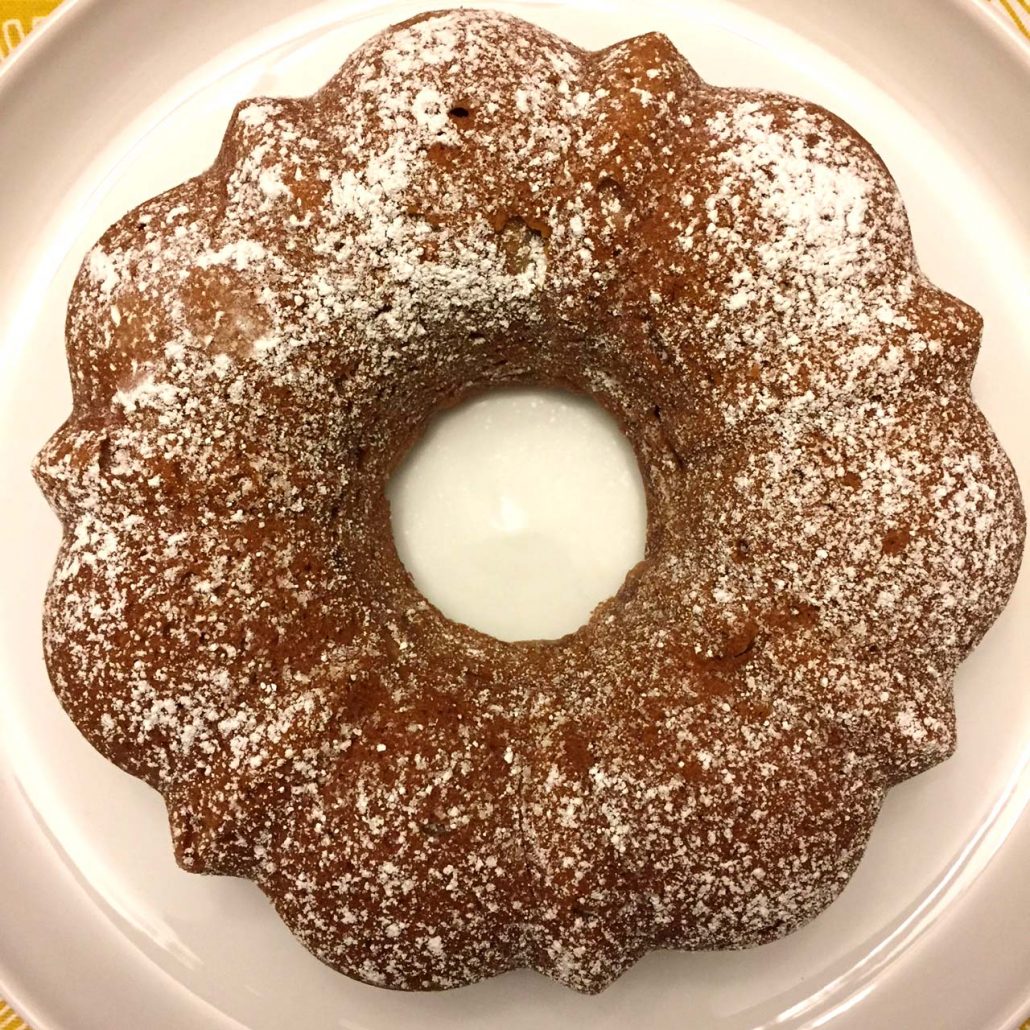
(472, 202)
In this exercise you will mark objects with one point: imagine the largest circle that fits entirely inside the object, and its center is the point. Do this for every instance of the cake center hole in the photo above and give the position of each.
(519, 511)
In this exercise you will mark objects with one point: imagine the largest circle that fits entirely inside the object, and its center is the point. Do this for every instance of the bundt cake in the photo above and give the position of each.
(472, 202)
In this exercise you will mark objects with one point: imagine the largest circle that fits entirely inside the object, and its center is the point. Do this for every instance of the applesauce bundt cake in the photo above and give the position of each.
(472, 202)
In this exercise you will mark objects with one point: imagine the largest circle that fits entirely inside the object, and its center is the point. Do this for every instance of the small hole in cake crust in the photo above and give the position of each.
(458, 113)
(896, 540)
(104, 455)
(520, 241)
(585, 914)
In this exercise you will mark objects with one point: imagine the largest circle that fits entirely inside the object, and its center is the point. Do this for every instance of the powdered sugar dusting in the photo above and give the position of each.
(472, 202)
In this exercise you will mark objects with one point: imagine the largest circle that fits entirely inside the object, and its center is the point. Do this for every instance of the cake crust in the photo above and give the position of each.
(472, 202)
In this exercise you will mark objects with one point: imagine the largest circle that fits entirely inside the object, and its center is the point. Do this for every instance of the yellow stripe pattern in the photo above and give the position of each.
(19, 17)
(1018, 12)
(9, 1019)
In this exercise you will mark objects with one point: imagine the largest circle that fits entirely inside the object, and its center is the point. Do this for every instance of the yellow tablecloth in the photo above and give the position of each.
(9, 1019)
(19, 17)
(1018, 13)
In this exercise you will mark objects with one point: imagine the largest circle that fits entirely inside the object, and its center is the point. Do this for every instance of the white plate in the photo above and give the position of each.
(114, 102)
